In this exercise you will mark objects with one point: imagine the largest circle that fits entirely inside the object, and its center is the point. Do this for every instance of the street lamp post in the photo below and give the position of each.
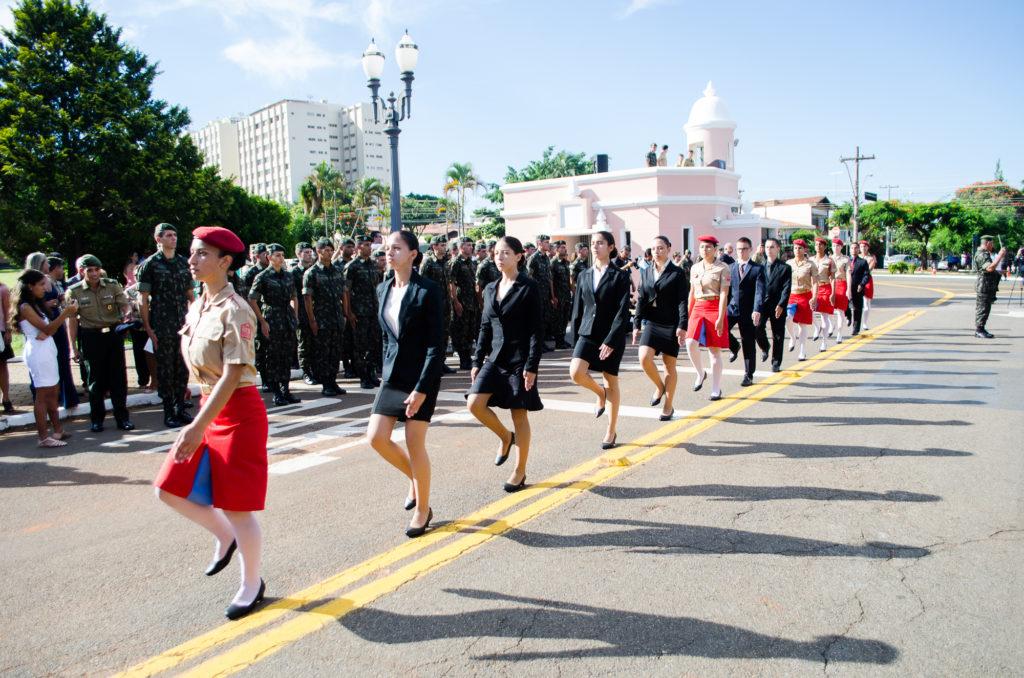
(406, 55)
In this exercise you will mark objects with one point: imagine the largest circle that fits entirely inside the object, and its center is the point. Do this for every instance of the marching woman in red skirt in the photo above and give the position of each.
(802, 296)
(216, 471)
(869, 286)
(842, 302)
(825, 294)
(708, 324)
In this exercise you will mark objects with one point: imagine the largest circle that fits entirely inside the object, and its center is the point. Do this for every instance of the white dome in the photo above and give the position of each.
(709, 111)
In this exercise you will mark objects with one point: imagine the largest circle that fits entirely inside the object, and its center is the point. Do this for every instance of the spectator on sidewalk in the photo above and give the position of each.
(652, 156)
(7, 351)
(67, 395)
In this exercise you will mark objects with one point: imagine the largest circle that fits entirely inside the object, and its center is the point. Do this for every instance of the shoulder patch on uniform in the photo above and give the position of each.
(246, 331)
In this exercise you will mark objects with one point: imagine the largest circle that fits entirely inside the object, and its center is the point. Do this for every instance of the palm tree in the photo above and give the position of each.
(458, 179)
(323, 185)
(369, 193)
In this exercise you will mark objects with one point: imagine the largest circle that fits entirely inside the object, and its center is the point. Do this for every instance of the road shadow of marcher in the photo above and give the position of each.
(41, 474)
(623, 633)
(748, 493)
(804, 451)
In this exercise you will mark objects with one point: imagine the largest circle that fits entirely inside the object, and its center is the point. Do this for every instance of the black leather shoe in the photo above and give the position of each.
(700, 384)
(183, 416)
(188, 404)
(412, 532)
(266, 388)
(126, 426)
(984, 334)
(308, 380)
(349, 374)
(172, 421)
(238, 611)
(445, 369)
(776, 368)
(611, 444)
(666, 417)
(289, 396)
(280, 400)
(733, 357)
(502, 458)
(366, 383)
(96, 428)
(509, 487)
(747, 381)
(410, 503)
(764, 356)
(218, 565)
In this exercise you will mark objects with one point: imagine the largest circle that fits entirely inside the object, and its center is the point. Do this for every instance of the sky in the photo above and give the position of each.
(933, 89)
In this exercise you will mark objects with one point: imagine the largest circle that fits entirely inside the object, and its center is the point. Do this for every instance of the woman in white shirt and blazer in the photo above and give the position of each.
(600, 323)
(410, 308)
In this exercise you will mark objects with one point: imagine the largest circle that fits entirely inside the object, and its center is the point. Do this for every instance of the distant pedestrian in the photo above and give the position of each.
(663, 157)
(989, 270)
(681, 160)
(7, 351)
(652, 156)
(689, 160)
(67, 395)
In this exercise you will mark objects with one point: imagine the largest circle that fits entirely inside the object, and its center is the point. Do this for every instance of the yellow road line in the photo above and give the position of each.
(280, 637)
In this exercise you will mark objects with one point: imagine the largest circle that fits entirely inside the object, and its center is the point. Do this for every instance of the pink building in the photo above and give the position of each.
(636, 205)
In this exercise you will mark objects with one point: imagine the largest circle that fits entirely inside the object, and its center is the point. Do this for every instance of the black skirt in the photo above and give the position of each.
(390, 402)
(662, 338)
(589, 350)
(507, 388)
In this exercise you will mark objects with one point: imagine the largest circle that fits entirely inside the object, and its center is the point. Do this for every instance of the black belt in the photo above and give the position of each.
(97, 330)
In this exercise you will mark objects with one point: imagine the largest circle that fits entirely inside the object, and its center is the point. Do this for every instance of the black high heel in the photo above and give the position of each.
(610, 445)
(419, 531)
(657, 401)
(509, 487)
(700, 385)
(667, 417)
(502, 458)
(236, 611)
(598, 411)
(218, 565)
(410, 503)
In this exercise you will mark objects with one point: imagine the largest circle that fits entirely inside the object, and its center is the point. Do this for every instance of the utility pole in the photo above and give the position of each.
(888, 234)
(888, 191)
(855, 180)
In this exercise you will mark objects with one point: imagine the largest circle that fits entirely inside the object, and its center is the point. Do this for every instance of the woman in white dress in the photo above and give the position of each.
(40, 352)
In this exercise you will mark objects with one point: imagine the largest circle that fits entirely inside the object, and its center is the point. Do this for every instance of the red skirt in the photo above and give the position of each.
(800, 308)
(702, 325)
(229, 468)
(842, 301)
(869, 289)
(824, 305)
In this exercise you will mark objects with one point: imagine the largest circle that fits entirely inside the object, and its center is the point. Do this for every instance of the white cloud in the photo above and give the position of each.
(638, 6)
(283, 60)
(6, 16)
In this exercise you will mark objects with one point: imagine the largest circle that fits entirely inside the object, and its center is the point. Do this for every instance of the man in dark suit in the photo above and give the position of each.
(860, 274)
(746, 293)
(777, 281)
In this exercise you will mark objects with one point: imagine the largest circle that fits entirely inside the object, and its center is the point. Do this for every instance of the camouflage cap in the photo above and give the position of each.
(491, 243)
(259, 248)
(465, 239)
(364, 237)
(528, 245)
(560, 243)
(347, 241)
(304, 245)
(481, 245)
(581, 246)
(378, 253)
(274, 247)
(438, 239)
(163, 226)
(543, 238)
(324, 242)
(87, 260)
(988, 237)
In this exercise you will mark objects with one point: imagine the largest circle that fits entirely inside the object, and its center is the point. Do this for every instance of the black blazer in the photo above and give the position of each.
(413, 359)
(602, 315)
(746, 295)
(778, 280)
(860, 273)
(511, 330)
(663, 301)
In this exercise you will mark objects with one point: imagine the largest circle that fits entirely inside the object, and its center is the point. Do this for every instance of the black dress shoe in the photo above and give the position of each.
(509, 487)
(984, 334)
(611, 444)
(733, 357)
(410, 503)
(126, 426)
(445, 369)
(700, 384)
(747, 380)
(183, 416)
(188, 404)
(764, 356)
(657, 401)
(238, 611)
(96, 428)
(412, 532)
(280, 400)
(667, 417)
(307, 379)
(598, 411)
(172, 421)
(776, 368)
(218, 565)
(290, 397)
(502, 458)
(366, 384)
(348, 374)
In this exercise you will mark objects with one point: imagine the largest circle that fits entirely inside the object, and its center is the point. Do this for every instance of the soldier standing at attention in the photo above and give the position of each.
(487, 271)
(538, 266)
(262, 262)
(466, 311)
(271, 297)
(348, 248)
(560, 275)
(306, 255)
(323, 291)
(580, 263)
(361, 279)
(989, 270)
(165, 285)
(433, 268)
(102, 304)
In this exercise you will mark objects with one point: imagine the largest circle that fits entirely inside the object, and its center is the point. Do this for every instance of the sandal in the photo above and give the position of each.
(51, 442)
(64, 435)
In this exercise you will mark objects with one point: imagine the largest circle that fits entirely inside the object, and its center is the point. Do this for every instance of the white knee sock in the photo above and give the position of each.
(864, 315)
(838, 322)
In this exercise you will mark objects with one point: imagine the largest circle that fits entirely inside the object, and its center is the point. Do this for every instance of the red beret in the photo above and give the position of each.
(219, 237)
(708, 238)
(800, 242)
(818, 238)
(837, 241)
(864, 242)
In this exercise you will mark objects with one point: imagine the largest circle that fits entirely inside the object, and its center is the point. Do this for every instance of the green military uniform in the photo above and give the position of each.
(538, 266)
(273, 291)
(986, 285)
(560, 275)
(305, 337)
(169, 284)
(362, 278)
(464, 326)
(486, 273)
(99, 313)
(434, 269)
(247, 277)
(325, 285)
(348, 339)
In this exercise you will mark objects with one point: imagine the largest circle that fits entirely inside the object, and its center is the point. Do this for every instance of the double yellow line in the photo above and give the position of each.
(475, 529)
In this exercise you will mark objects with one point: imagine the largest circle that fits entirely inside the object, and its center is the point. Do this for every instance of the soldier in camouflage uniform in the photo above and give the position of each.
(580, 263)
(323, 291)
(465, 310)
(250, 272)
(433, 268)
(538, 266)
(348, 248)
(271, 297)
(988, 270)
(486, 272)
(362, 278)
(165, 287)
(560, 274)
(306, 256)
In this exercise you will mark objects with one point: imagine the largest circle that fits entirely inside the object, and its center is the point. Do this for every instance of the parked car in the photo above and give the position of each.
(902, 258)
(950, 263)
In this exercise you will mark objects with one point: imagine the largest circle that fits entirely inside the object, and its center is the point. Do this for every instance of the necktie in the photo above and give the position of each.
(743, 270)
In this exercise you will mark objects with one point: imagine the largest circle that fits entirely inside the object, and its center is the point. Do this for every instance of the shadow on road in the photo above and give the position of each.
(818, 401)
(803, 451)
(847, 421)
(747, 493)
(622, 633)
(40, 474)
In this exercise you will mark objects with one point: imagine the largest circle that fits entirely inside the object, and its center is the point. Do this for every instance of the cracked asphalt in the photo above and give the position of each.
(866, 519)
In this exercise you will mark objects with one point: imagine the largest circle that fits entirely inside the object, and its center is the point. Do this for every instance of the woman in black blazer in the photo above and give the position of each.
(600, 322)
(661, 315)
(508, 355)
(409, 311)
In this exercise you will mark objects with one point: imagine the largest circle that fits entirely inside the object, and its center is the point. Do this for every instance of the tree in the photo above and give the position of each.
(999, 170)
(89, 160)
(552, 166)
(460, 178)
(320, 195)
(369, 194)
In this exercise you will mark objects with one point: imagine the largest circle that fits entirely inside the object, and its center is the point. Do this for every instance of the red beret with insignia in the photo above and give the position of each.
(837, 241)
(864, 242)
(219, 237)
(709, 239)
(800, 242)
(819, 239)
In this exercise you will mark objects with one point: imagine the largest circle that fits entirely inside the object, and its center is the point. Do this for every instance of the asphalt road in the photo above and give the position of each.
(860, 515)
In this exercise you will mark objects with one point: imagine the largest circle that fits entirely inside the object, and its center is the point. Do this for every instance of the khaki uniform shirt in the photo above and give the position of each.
(842, 263)
(101, 307)
(708, 281)
(219, 332)
(803, 275)
(826, 269)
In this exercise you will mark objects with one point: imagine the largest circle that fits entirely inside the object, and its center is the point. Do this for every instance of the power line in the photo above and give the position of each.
(855, 180)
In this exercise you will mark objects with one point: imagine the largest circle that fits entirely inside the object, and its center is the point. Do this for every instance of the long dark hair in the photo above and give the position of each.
(610, 239)
(23, 295)
(516, 246)
(413, 243)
